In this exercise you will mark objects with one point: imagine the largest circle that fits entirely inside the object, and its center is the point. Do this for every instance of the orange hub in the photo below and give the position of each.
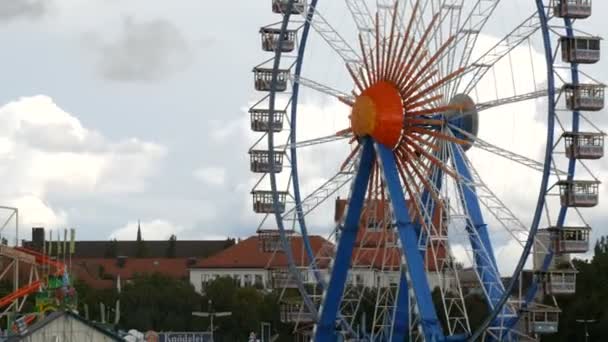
(378, 112)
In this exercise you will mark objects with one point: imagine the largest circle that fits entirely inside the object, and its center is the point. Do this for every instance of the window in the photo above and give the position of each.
(247, 280)
(594, 44)
(259, 282)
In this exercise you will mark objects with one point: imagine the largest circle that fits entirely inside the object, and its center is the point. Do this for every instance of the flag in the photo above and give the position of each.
(50, 242)
(72, 241)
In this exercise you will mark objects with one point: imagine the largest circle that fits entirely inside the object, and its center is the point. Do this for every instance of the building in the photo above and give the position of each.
(100, 263)
(260, 261)
(256, 261)
(65, 326)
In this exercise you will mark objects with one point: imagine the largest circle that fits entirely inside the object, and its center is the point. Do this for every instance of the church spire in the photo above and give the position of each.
(138, 231)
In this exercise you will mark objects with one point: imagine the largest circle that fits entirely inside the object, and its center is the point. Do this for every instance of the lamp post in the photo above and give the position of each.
(586, 322)
(211, 314)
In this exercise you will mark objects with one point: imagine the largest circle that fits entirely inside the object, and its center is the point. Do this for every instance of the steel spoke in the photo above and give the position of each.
(332, 37)
(512, 99)
(316, 141)
(486, 146)
(308, 83)
(483, 64)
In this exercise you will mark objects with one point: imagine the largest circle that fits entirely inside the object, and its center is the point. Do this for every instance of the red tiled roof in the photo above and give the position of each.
(248, 254)
(88, 269)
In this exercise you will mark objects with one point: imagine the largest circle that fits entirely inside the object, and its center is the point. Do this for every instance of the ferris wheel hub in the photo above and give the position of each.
(465, 118)
(378, 112)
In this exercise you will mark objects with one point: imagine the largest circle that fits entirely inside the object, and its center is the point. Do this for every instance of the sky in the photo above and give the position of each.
(114, 112)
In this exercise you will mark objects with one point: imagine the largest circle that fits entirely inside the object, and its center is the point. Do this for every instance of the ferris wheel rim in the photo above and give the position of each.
(301, 218)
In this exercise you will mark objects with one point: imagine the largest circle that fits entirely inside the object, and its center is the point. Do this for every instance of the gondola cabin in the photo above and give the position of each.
(263, 79)
(259, 161)
(261, 120)
(560, 281)
(587, 97)
(281, 6)
(573, 9)
(271, 36)
(581, 49)
(579, 193)
(584, 145)
(263, 201)
(542, 319)
(567, 240)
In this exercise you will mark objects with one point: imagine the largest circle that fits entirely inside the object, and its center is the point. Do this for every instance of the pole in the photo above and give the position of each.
(586, 322)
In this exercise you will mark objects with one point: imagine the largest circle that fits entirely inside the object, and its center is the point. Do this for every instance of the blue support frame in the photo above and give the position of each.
(326, 327)
(485, 261)
(431, 326)
(401, 319)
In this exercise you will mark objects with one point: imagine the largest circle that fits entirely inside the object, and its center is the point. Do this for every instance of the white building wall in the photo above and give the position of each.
(67, 329)
(363, 276)
(244, 276)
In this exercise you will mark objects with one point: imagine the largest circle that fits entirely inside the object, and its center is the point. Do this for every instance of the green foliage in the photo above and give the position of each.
(590, 301)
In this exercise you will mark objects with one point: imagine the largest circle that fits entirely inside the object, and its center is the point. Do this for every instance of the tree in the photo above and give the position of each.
(158, 302)
(171, 248)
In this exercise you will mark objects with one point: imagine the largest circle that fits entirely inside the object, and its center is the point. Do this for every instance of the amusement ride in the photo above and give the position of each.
(40, 279)
(417, 81)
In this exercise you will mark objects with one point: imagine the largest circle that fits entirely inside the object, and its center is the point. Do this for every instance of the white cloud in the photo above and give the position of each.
(215, 176)
(45, 149)
(150, 230)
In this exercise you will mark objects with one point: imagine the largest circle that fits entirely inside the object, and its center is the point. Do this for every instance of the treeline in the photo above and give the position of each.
(590, 301)
(160, 303)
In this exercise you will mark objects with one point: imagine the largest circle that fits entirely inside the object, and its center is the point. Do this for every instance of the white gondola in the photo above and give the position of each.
(560, 281)
(280, 6)
(584, 145)
(271, 36)
(259, 161)
(579, 193)
(582, 49)
(574, 9)
(588, 97)
(542, 319)
(263, 79)
(263, 201)
(566, 240)
(260, 120)
(269, 240)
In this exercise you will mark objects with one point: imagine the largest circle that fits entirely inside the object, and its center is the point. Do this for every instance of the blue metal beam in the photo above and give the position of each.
(401, 320)
(326, 327)
(431, 327)
(485, 261)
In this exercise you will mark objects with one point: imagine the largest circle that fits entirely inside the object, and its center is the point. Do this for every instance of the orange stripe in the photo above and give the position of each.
(428, 64)
(421, 103)
(436, 85)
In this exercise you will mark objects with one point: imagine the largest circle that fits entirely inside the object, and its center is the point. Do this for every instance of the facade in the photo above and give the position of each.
(260, 262)
(64, 326)
(100, 263)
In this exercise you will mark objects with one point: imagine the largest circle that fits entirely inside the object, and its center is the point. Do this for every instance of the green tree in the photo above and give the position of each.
(158, 302)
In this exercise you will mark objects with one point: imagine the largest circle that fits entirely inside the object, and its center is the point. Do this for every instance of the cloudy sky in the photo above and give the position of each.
(114, 111)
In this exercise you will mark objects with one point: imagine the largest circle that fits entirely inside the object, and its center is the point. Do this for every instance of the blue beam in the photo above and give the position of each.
(326, 327)
(485, 261)
(431, 327)
(401, 320)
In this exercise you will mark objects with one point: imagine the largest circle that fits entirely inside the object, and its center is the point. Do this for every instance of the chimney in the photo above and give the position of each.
(37, 238)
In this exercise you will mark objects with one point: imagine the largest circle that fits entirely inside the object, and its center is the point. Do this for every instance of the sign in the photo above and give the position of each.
(203, 336)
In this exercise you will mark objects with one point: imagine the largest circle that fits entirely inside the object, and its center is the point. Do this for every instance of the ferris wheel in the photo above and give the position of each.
(428, 207)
